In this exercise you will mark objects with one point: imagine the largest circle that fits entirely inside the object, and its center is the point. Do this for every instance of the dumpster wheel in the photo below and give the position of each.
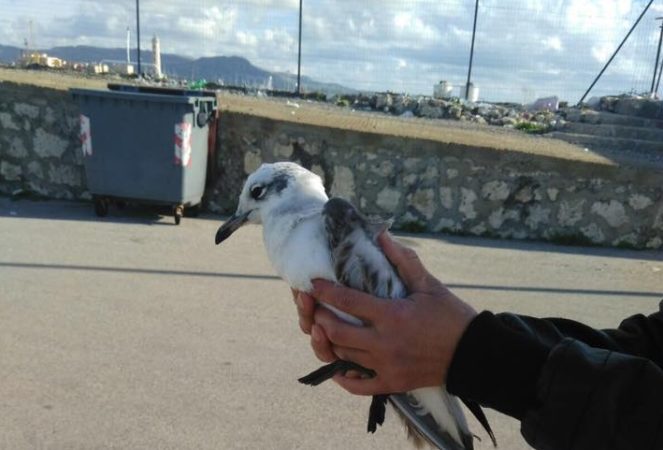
(101, 207)
(179, 212)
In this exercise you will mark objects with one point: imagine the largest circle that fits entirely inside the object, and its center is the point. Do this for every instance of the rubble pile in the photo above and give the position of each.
(540, 117)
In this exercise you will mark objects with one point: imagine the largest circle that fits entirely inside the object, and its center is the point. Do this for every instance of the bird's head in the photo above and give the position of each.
(270, 188)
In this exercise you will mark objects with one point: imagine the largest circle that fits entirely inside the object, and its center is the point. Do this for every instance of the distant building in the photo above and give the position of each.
(442, 90)
(122, 69)
(99, 68)
(112, 66)
(36, 59)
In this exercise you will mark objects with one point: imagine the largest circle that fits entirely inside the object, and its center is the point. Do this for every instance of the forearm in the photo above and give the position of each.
(537, 371)
(589, 398)
(497, 365)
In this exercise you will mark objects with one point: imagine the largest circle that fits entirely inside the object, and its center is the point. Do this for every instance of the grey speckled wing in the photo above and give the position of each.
(359, 263)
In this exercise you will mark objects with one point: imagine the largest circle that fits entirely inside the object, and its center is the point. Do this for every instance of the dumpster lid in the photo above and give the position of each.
(160, 90)
(138, 96)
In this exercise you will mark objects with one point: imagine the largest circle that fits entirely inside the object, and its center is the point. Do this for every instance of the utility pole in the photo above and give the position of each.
(658, 55)
(469, 70)
(658, 80)
(299, 54)
(138, 34)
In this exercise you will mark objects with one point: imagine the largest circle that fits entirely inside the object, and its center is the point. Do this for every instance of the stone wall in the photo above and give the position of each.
(39, 146)
(423, 185)
(433, 186)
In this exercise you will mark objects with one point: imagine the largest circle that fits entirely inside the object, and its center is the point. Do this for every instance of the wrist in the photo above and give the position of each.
(464, 317)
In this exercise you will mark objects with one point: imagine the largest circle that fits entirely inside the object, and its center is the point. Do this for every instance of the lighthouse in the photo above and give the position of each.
(156, 57)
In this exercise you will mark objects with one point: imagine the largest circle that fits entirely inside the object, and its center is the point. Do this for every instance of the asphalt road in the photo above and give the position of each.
(131, 333)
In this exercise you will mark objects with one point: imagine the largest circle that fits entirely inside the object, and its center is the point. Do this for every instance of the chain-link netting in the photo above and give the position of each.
(524, 49)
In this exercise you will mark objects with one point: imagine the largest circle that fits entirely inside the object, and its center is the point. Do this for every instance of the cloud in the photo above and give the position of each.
(553, 43)
(246, 39)
(214, 23)
(413, 30)
(523, 47)
(280, 39)
(282, 4)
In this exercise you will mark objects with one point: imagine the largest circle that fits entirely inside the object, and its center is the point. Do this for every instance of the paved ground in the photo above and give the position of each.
(131, 333)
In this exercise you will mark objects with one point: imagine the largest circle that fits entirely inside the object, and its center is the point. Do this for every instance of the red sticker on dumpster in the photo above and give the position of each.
(85, 136)
(183, 144)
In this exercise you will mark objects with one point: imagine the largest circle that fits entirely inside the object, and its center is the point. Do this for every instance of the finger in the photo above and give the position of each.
(357, 303)
(353, 374)
(344, 334)
(321, 345)
(305, 309)
(306, 304)
(360, 357)
(305, 325)
(361, 386)
(407, 262)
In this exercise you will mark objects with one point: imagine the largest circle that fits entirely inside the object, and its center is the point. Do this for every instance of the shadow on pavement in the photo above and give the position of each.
(156, 215)
(531, 246)
(130, 213)
(169, 272)
(135, 270)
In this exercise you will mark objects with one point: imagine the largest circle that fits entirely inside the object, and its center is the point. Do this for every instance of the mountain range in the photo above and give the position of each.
(231, 70)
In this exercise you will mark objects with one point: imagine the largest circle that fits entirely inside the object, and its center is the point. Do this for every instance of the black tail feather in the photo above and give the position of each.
(320, 375)
(378, 408)
(475, 409)
(326, 372)
(376, 412)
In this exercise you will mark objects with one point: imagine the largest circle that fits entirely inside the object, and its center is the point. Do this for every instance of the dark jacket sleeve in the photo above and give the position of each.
(571, 386)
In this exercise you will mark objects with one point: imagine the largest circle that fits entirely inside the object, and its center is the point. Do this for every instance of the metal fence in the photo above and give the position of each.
(524, 48)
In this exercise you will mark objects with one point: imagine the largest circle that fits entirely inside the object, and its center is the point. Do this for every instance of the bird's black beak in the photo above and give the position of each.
(230, 226)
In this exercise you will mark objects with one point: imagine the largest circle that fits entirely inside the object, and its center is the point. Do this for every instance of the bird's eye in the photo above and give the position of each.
(257, 192)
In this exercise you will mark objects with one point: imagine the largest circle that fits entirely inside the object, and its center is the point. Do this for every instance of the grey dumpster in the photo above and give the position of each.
(149, 148)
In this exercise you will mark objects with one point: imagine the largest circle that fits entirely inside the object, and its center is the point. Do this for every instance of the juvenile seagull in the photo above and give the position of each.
(308, 236)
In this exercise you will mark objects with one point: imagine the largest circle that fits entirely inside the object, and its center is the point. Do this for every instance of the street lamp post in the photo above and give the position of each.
(469, 70)
(658, 55)
(138, 33)
(299, 53)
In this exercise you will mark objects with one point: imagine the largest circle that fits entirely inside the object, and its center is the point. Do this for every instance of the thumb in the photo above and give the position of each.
(407, 263)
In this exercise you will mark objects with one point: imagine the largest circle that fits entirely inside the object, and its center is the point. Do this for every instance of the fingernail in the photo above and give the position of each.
(299, 300)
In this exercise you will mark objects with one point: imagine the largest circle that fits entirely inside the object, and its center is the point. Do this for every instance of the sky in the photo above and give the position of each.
(524, 49)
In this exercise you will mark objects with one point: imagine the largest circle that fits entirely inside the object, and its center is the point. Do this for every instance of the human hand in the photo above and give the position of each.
(305, 308)
(409, 343)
